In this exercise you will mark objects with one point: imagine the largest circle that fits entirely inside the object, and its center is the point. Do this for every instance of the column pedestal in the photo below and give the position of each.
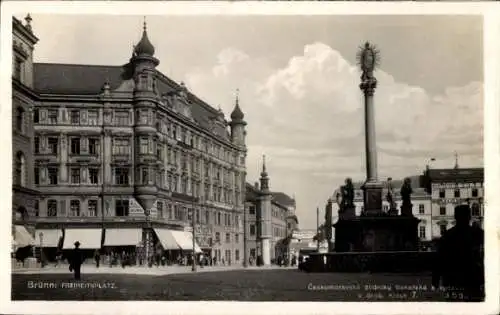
(266, 252)
(372, 194)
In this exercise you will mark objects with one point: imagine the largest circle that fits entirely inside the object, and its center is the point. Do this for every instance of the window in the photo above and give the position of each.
(228, 238)
(121, 208)
(442, 210)
(37, 144)
(93, 146)
(421, 209)
(53, 145)
(252, 229)
(121, 176)
(457, 193)
(36, 115)
(253, 253)
(53, 174)
(217, 237)
(474, 192)
(37, 175)
(159, 206)
(251, 210)
(237, 255)
(144, 145)
(442, 193)
(219, 216)
(197, 216)
(475, 211)
(18, 65)
(75, 145)
(442, 229)
(52, 208)
(20, 120)
(121, 146)
(93, 119)
(20, 169)
(75, 176)
(207, 216)
(385, 207)
(236, 238)
(421, 232)
(122, 118)
(52, 115)
(75, 117)
(92, 207)
(75, 208)
(37, 208)
(94, 176)
(159, 152)
(145, 176)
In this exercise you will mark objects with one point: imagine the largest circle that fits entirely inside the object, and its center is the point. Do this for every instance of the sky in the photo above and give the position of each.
(298, 87)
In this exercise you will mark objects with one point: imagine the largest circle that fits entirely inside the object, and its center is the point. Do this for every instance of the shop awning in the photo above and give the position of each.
(22, 237)
(166, 238)
(185, 241)
(122, 237)
(88, 238)
(50, 238)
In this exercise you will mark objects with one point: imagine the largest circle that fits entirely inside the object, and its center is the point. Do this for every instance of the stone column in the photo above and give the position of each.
(372, 188)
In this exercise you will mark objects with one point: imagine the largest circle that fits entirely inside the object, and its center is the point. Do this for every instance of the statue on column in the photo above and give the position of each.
(347, 195)
(390, 195)
(406, 191)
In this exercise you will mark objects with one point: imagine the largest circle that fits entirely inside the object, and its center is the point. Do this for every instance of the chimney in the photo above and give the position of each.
(256, 185)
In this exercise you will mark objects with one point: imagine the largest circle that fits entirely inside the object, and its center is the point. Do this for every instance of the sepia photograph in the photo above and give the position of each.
(253, 158)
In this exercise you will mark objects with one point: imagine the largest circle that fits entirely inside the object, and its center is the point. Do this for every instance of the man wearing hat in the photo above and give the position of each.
(76, 261)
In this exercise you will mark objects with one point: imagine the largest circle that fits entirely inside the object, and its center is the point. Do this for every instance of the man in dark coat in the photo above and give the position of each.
(459, 266)
(76, 261)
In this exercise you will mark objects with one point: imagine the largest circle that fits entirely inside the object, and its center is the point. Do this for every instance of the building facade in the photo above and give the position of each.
(24, 194)
(126, 151)
(271, 220)
(451, 187)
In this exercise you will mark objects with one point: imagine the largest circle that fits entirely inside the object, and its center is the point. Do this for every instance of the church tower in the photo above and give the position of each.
(145, 102)
(265, 215)
(237, 124)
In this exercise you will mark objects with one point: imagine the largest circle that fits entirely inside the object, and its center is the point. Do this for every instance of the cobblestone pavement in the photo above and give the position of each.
(243, 285)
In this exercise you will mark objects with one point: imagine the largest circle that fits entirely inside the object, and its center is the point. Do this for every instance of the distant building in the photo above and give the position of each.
(451, 187)
(271, 221)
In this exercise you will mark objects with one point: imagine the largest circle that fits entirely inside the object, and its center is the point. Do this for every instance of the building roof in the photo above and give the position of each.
(72, 79)
(283, 199)
(250, 192)
(454, 175)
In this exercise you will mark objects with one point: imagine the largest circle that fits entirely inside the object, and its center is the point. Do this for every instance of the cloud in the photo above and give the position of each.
(308, 118)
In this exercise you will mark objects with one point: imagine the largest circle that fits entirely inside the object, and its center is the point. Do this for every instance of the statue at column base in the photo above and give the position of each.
(406, 191)
(406, 210)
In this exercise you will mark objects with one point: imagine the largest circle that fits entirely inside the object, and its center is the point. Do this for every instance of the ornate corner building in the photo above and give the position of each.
(121, 154)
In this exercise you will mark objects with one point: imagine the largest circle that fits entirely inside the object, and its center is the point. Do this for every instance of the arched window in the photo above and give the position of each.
(52, 208)
(20, 119)
(20, 171)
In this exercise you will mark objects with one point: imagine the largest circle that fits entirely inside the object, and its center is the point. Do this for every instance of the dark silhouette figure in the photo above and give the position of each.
(406, 191)
(76, 261)
(97, 257)
(459, 266)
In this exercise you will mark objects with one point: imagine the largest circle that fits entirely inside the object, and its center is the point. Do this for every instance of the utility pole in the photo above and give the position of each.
(317, 229)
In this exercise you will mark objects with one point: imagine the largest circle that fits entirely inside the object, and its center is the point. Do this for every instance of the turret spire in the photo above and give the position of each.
(456, 160)
(144, 47)
(264, 172)
(237, 115)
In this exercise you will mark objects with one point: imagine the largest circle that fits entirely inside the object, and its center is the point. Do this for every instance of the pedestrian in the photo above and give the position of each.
(76, 261)
(459, 265)
(97, 257)
(58, 258)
